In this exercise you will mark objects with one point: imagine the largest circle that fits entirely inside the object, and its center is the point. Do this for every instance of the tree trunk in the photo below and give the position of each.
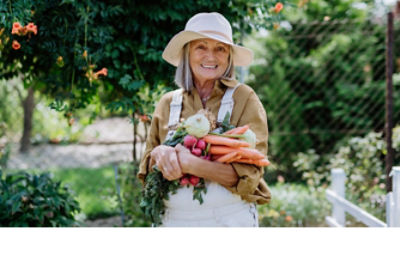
(28, 106)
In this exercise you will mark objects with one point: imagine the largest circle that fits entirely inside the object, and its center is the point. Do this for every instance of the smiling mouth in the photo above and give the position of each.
(212, 67)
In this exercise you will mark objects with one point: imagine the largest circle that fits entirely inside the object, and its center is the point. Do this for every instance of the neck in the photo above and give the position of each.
(204, 87)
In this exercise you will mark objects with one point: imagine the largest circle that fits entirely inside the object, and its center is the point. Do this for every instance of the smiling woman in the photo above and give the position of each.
(205, 56)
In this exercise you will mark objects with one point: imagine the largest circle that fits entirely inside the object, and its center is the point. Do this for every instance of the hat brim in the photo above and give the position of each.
(172, 53)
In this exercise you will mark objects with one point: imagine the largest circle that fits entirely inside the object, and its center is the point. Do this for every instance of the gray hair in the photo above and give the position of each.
(184, 75)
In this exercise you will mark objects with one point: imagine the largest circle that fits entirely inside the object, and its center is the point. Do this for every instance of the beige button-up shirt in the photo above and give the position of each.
(247, 110)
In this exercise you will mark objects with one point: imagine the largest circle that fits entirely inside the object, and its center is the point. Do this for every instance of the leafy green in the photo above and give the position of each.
(30, 200)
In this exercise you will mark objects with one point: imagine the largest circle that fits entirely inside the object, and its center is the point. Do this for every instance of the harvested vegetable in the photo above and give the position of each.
(244, 152)
(189, 141)
(197, 125)
(258, 162)
(227, 157)
(219, 140)
(238, 130)
(250, 137)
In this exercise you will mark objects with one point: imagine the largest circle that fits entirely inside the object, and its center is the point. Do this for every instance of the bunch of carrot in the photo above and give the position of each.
(226, 148)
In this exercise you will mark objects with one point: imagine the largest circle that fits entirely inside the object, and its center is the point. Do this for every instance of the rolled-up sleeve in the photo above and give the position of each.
(153, 140)
(249, 175)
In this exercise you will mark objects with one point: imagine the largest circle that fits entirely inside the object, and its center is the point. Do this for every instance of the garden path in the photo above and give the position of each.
(99, 146)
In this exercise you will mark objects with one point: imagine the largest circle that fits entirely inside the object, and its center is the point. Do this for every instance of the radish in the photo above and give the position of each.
(184, 181)
(189, 141)
(194, 180)
(201, 144)
(196, 152)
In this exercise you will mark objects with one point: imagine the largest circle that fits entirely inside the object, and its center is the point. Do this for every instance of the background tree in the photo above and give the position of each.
(76, 40)
(321, 78)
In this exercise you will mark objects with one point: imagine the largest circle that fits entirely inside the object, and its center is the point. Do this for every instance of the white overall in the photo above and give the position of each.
(220, 207)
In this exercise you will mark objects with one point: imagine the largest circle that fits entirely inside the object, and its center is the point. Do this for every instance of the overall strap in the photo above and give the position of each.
(226, 104)
(175, 108)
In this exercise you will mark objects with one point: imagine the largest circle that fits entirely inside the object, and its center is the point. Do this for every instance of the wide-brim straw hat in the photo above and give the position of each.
(206, 25)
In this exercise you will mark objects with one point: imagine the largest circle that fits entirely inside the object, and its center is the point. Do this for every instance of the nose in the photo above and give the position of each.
(210, 56)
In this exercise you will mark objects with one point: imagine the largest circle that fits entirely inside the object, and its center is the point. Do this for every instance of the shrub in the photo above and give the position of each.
(132, 195)
(35, 200)
(294, 205)
(362, 159)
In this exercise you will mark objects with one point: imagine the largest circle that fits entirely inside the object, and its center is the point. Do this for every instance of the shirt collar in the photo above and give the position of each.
(222, 84)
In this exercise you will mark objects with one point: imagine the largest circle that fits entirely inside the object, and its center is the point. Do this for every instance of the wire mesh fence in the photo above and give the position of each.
(321, 82)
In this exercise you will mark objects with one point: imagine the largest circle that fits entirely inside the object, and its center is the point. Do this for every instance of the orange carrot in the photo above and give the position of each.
(227, 157)
(237, 157)
(219, 140)
(238, 130)
(221, 150)
(258, 162)
(244, 152)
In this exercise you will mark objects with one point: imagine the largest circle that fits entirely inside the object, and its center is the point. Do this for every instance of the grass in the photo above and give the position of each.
(93, 188)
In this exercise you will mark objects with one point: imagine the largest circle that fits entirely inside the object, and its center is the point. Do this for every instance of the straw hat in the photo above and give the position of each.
(206, 25)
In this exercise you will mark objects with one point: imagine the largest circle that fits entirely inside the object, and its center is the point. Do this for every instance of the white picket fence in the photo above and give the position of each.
(336, 195)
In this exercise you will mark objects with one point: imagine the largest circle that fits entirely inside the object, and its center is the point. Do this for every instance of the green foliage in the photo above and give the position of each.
(294, 205)
(94, 190)
(156, 189)
(28, 200)
(10, 109)
(77, 38)
(4, 155)
(362, 159)
(334, 9)
(132, 195)
(321, 80)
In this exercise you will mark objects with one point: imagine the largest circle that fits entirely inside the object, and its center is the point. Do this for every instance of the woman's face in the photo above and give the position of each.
(208, 59)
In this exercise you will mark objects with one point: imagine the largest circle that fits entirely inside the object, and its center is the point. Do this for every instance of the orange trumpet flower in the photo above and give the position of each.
(31, 27)
(16, 45)
(16, 28)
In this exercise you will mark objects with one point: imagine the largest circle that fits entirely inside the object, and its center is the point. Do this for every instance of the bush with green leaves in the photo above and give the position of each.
(321, 77)
(362, 159)
(294, 205)
(35, 200)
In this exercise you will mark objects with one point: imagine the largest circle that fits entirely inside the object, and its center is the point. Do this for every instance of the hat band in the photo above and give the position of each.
(218, 33)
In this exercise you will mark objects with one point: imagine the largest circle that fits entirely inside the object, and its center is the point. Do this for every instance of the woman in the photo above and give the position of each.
(205, 56)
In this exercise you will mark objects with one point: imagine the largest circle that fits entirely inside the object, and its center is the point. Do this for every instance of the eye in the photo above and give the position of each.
(221, 49)
(201, 47)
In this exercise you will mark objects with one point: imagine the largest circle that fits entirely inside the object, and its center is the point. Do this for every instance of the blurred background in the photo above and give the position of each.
(77, 95)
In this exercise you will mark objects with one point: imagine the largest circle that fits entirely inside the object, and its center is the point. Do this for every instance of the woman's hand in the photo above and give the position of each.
(166, 159)
(184, 157)
(223, 174)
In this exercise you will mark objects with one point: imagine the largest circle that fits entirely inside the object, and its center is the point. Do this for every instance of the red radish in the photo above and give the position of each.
(194, 180)
(184, 181)
(196, 152)
(201, 144)
(189, 141)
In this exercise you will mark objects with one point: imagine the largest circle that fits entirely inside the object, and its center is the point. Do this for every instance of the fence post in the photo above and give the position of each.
(389, 210)
(395, 211)
(389, 101)
(338, 186)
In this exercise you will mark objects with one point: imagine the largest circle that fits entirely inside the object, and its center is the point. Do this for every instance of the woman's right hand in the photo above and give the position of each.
(167, 161)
